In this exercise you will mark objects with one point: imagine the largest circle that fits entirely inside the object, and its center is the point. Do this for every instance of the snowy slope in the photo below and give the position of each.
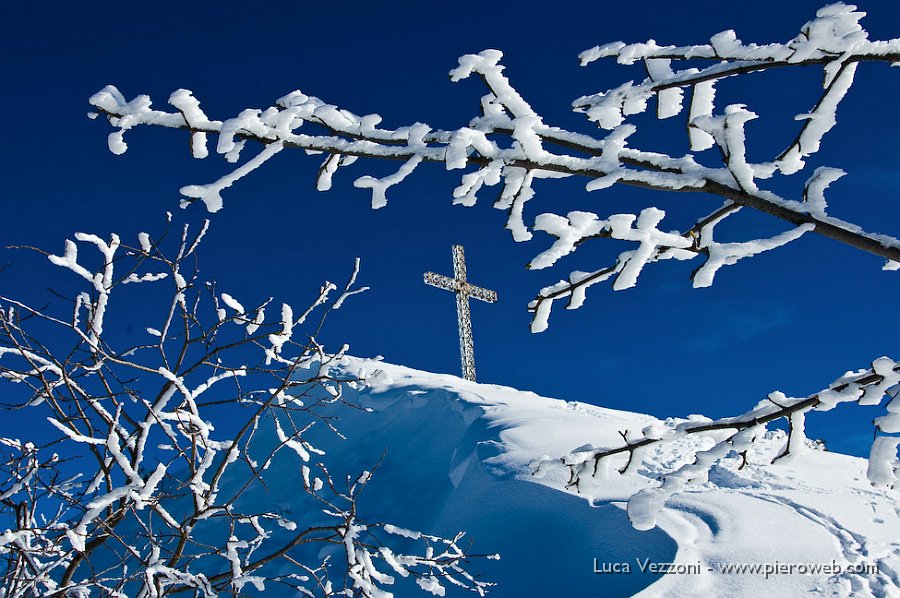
(460, 455)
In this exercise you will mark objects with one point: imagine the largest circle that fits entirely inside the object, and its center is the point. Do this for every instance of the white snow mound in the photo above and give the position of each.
(459, 456)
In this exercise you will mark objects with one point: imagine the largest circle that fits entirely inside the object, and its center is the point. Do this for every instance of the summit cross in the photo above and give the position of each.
(459, 285)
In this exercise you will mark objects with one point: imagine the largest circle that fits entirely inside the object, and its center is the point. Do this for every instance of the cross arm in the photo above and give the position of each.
(480, 293)
(440, 281)
(452, 284)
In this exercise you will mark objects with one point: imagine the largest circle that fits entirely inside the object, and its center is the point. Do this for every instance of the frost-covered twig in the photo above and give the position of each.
(510, 143)
(737, 434)
(178, 436)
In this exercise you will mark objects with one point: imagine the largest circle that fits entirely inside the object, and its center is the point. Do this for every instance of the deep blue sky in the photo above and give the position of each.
(793, 319)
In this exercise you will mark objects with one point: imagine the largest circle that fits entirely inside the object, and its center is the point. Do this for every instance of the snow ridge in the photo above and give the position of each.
(817, 508)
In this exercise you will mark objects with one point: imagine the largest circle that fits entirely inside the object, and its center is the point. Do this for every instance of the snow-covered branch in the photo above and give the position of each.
(509, 143)
(177, 438)
(737, 435)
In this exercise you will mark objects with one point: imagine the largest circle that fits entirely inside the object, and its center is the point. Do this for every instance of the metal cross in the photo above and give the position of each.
(463, 290)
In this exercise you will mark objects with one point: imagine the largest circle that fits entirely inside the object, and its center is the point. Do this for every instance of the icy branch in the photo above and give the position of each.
(737, 434)
(164, 470)
(509, 144)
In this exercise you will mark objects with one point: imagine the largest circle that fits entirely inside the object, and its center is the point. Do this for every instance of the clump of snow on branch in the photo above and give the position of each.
(722, 254)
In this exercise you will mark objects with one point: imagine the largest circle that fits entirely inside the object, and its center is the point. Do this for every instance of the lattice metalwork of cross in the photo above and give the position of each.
(463, 289)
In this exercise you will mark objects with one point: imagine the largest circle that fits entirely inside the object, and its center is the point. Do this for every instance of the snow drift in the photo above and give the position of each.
(457, 455)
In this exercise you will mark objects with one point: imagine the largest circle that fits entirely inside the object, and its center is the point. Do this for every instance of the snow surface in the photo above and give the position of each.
(459, 456)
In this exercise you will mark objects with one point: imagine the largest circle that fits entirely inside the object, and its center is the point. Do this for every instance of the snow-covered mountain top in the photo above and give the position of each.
(462, 455)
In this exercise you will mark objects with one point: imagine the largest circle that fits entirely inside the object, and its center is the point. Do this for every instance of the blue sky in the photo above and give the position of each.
(793, 319)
